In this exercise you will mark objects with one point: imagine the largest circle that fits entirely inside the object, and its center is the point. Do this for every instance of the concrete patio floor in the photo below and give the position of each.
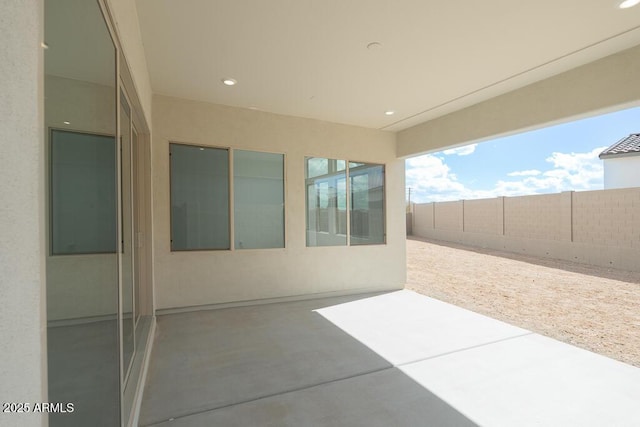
(398, 358)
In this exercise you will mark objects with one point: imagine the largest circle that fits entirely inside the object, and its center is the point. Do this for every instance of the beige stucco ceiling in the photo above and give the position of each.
(309, 58)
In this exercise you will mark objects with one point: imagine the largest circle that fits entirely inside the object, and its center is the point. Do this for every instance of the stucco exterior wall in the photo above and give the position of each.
(184, 279)
(594, 227)
(621, 172)
(22, 267)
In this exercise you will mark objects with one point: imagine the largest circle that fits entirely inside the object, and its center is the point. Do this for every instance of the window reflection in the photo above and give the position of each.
(258, 187)
(329, 212)
(82, 267)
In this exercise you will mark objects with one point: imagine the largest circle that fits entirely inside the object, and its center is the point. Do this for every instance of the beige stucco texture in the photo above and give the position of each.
(197, 278)
(23, 376)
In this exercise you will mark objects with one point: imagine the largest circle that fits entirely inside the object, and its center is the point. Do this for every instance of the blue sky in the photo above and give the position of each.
(558, 158)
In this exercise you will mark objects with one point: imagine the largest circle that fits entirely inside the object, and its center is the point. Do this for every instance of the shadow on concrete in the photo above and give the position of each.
(278, 364)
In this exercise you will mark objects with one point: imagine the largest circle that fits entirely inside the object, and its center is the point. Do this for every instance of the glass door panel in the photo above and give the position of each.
(82, 262)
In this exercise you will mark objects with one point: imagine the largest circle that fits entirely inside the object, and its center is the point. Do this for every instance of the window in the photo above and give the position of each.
(327, 209)
(367, 203)
(258, 191)
(83, 193)
(200, 203)
(199, 198)
(326, 202)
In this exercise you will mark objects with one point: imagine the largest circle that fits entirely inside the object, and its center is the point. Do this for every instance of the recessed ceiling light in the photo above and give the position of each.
(66, 122)
(229, 82)
(626, 4)
(389, 112)
(252, 107)
(374, 45)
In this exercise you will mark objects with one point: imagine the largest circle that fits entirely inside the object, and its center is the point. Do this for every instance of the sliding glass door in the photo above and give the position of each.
(82, 173)
(95, 188)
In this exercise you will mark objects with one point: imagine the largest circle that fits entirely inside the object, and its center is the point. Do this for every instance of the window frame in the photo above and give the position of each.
(50, 190)
(347, 171)
(384, 200)
(229, 201)
(231, 198)
(333, 175)
(284, 200)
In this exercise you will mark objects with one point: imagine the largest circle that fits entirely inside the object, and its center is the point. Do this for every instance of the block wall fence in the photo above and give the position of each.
(592, 227)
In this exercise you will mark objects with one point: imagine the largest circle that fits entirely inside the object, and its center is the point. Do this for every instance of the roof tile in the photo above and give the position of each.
(627, 145)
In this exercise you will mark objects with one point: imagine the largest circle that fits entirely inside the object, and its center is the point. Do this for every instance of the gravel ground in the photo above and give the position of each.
(595, 308)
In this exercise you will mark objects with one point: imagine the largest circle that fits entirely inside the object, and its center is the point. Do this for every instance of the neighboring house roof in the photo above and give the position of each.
(628, 146)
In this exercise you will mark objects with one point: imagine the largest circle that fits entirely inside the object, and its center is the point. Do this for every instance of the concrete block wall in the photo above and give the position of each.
(449, 215)
(607, 218)
(409, 219)
(422, 218)
(595, 227)
(484, 216)
(533, 217)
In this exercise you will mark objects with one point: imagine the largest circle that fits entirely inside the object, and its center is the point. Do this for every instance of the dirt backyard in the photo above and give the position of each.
(595, 308)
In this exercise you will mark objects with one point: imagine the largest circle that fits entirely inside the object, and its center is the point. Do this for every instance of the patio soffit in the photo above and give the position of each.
(315, 59)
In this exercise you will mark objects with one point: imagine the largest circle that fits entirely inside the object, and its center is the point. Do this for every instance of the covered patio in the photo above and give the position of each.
(396, 358)
(213, 192)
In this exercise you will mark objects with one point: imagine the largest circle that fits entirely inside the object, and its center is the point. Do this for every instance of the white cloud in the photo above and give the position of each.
(531, 172)
(577, 171)
(431, 179)
(461, 151)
